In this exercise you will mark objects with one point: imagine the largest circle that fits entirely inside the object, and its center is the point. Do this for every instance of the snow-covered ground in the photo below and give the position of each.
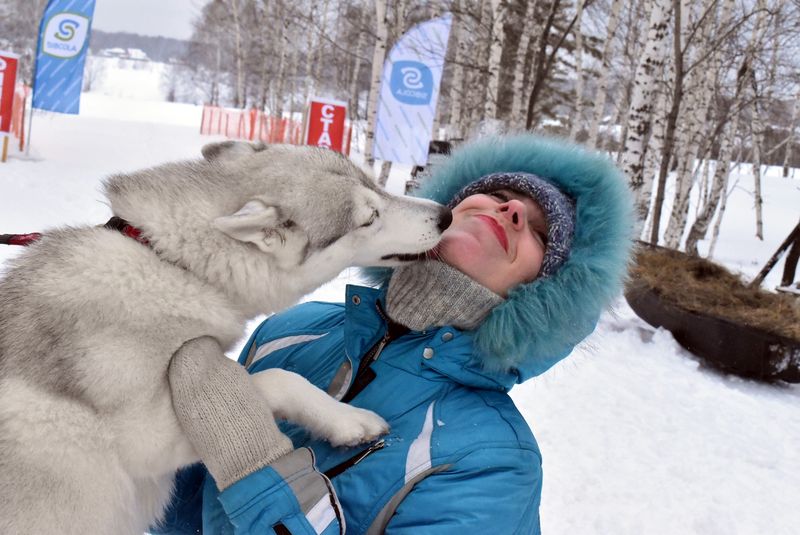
(637, 436)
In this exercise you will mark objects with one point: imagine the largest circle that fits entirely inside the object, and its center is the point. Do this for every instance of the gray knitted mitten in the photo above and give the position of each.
(223, 414)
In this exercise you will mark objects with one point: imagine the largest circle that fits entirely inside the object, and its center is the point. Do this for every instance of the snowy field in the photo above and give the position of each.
(637, 436)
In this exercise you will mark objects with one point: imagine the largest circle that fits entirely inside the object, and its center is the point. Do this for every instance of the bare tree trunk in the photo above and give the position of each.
(602, 84)
(265, 83)
(378, 55)
(233, 5)
(722, 170)
(757, 136)
(353, 87)
(672, 119)
(400, 19)
(631, 52)
(540, 65)
(293, 70)
(756, 123)
(641, 108)
(704, 186)
(476, 94)
(517, 119)
(575, 123)
(307, 77)
(215, 83)
(787, 155)
(723, 203)
(386, 167)
(543, 69)
(658, 133)
(719, 184)
(280, 79)
(457, 82)
(499, 9)
(693, 131)
(321, 44)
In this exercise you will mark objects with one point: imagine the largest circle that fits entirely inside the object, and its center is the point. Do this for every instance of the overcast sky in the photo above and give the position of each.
(168, 18)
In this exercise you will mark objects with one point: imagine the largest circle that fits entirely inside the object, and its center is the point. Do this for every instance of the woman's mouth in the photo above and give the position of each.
(497, 228)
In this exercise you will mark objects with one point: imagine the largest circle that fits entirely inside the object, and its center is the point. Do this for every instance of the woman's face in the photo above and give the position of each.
(497, 238)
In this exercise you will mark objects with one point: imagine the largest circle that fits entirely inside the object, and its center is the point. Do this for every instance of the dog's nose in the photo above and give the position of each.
(445, 218)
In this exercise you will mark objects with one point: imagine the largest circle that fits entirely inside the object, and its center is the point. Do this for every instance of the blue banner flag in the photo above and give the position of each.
(61, 54)
(409, 93)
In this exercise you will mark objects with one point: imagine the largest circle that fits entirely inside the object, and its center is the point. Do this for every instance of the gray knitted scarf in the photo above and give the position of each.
(431, 294)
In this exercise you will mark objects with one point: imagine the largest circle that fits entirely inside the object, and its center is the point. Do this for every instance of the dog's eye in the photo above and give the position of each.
(372, 218)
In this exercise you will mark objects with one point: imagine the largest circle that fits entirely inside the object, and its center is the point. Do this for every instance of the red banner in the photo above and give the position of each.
(325, 127)
(8, 79)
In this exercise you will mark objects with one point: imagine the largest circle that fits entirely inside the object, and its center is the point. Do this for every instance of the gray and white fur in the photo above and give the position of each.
(89, 319)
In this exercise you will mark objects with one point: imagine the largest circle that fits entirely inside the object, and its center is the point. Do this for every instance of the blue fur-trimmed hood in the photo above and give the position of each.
(541, 322)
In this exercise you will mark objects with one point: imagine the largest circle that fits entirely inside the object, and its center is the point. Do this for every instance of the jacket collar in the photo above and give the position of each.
(446, 351)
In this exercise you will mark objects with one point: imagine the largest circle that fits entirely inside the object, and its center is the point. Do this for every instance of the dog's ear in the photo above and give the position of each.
(230, 150)
(255, 223)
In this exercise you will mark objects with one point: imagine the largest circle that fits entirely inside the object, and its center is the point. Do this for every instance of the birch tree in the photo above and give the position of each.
(459, 40)
(757, 140)
(378, 55)
(722, 170)
(320, 48)
(723, 203)
(544, 63)
(756, 122)
(293, 69)
(499, 9)
(575, 123)
(477, 79)
(631, 53)
(602, 83)
(352, 91)
(692, 135)
(641, 108)
(517, 119)
(279, 82)
(234, 7)
(787, 155)
(672, 117)
(719, 184)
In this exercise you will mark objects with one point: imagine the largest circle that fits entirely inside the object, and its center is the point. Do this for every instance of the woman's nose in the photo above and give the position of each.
(514, 212)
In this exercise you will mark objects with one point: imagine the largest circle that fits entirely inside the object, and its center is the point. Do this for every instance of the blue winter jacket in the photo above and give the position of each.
(459, 457)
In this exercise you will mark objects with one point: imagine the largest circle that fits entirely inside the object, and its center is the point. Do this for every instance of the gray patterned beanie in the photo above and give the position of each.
(558, 208)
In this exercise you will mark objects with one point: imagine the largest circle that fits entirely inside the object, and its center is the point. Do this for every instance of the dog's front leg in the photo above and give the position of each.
(292, 397)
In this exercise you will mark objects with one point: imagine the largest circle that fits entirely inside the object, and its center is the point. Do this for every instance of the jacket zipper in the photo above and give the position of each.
(355, 459)
(365, 374)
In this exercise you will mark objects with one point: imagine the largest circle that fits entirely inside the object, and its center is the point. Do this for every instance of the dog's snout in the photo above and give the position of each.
(445, 218)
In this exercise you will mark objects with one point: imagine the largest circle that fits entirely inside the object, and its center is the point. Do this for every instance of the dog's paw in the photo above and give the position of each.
(352, 426)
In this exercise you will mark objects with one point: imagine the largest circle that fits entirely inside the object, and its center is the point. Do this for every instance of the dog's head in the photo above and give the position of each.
(298, 200)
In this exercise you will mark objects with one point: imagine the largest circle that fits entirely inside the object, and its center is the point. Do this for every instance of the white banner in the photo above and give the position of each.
(409, 92)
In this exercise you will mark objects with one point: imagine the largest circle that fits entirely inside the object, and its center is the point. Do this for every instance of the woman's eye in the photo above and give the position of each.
(500, 196)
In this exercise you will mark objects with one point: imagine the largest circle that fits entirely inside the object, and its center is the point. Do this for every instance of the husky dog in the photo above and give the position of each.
(89, 319)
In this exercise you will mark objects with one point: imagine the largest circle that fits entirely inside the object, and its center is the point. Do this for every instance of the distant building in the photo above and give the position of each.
(125, 53)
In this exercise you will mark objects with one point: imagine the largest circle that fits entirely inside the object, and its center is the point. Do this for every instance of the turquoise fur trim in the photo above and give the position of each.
(541, 322)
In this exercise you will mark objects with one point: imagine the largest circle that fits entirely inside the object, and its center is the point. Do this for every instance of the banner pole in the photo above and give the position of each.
(28, 133)
(5, 149)
(33, 77)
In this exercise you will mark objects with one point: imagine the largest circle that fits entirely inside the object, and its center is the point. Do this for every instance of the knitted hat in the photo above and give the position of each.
(558, 208)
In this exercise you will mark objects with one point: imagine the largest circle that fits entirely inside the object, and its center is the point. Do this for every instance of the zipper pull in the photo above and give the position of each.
(369, 451)
(354, 460)
(379, 348)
